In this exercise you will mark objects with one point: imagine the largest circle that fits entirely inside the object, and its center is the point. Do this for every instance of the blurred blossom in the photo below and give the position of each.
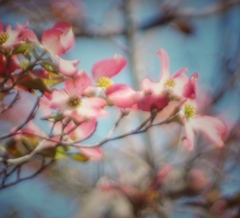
(102, 204)
(197, 180)
(73, 11)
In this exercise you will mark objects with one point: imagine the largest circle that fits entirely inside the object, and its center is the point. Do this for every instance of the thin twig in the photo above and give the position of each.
(29, 117)
(16, 97)
(121, 116)
(19, 179)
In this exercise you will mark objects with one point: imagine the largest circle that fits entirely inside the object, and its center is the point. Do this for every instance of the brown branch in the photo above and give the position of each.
(29, 117)
(138, 130)
(19, 179)
(16, 97)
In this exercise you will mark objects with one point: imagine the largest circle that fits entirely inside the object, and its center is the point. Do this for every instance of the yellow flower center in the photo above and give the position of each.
(189, 111)
(104, 82)
(3, 37)
(170, 82)
(74, 102)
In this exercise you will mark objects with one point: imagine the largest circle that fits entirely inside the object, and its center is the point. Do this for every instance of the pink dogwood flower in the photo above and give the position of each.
(213, 128)
(10, 37)
(174, 83)
(105, 69)
(71, 101)
(119, 95)
(59, 38)
(156, 95)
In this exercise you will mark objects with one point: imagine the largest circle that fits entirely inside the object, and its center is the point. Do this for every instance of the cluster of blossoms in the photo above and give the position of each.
(30, 65)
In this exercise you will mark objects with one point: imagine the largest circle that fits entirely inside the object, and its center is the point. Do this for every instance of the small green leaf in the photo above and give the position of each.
(54, 117)
(26, 143)
(27, 55)
(2, 149)
(49, 152)
(29, 142)
(34, 83)
(23, 48)
(60, 153)
(12, 148)
(53, 81)
(79, 157)
(49, 66)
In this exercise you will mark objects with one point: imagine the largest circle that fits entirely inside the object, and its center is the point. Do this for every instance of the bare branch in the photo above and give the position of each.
(19, 179)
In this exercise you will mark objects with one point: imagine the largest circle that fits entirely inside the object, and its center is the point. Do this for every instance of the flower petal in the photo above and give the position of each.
(188, 139)
(152, 87)
(58, 39)
(190, 89)
(108, 67)
(29, 35)
(59, 100)
(181, 80)
(213, 128)
(67, 68)
(164, 73)
(67, 37)
(76, 86)
(83, 131)
(122, 95)
(51, 41)
(180, 73)
(92, 153)
(149, 102)
(92, 107)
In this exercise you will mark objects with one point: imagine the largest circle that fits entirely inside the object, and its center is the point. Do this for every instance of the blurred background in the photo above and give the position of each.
(202, 35)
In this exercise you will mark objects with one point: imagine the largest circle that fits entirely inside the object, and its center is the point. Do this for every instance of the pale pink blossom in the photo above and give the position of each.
(193, 91)
(174, 83)
(71, 101)
(213, 128)
(158, 94)
(10, 37)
